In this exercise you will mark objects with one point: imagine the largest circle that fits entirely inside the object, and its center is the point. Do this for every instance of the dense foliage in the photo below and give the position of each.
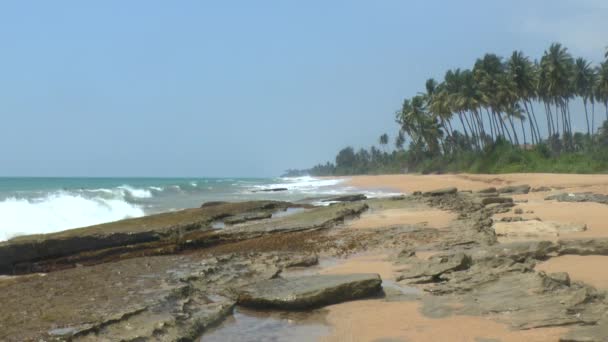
(487, 119)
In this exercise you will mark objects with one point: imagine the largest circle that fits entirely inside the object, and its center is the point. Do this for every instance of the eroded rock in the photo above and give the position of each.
(515, 189)
(496, 200)
(534, 228)
(347, 198)
(579, 197)
(309, 291)
(441, 192)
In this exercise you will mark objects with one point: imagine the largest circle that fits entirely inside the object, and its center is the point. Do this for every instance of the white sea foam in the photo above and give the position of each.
(137, 193)
(306, 184)
(59, 211)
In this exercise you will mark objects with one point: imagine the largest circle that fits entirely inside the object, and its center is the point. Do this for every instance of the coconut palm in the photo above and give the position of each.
(400, 140)
(602, 85)
(523, 74)
(557, 67)
(383, 140)
(584, 79)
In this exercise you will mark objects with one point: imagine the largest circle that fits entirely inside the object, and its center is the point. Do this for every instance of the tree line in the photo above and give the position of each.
(517, 102)
(496, 99)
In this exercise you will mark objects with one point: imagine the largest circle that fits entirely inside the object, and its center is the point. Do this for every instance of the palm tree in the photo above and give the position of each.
(523, 74)
(383, 141)
(602, 85)
(584, 79)
(556, 69)
(488, 72)
(400, 140)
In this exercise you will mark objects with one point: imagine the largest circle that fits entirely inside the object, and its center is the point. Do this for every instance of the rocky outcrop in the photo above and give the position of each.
(309, 292)
(240, 218)
(597, 246)
(579, 197)
(431, 270)
(161, 234)
(541, 189)
(534, 228)
(441, 192)
(515, 189)
(347, 198)
(163, 298)
(498, 200)
(271, 190)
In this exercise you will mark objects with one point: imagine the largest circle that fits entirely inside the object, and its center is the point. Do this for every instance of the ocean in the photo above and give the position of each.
(45, 205)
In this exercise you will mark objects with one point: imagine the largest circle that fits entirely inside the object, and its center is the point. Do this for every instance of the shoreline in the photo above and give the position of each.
(431, 251)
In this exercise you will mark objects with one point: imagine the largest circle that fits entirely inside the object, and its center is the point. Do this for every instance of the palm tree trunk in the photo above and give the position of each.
(513, 128)
(523, 130)
(538, 135)
(463, 126)
(587, 116)
(505, 128)
(550, 127)
(491, 123)
(472, 130)
(593, 117)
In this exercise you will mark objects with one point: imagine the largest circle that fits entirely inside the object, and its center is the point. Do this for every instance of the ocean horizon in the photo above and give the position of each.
(37, 205)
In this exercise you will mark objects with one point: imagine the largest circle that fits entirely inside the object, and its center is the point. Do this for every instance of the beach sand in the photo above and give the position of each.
(376, 319)
(393, 217)
(410, 183)
(590, 269)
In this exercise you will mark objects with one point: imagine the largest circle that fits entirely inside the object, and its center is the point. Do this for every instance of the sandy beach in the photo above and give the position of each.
(517, 257)
(410, 183)
(353, 322)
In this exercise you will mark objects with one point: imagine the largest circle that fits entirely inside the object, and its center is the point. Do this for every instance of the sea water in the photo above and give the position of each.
(45, 205)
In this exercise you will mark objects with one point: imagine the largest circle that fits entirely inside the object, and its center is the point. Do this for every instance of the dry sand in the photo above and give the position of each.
(594, 215)
(409, 183)
(589, 269)
(370, 320)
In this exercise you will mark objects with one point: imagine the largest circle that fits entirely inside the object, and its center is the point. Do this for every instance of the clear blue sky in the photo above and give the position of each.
(240, 88)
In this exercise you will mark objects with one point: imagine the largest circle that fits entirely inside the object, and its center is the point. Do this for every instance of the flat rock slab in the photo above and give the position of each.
(579, 197)
(347, 198)
(533, 228)
(305, 292)
(496, 200)
(515, 189)
(441, 192)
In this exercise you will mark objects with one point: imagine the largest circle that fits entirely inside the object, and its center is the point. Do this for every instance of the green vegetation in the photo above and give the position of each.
(487, 119)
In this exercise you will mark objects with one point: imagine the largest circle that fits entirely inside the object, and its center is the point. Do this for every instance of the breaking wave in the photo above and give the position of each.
(58, 211)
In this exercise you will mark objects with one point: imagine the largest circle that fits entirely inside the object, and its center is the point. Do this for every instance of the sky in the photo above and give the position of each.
(241, 88)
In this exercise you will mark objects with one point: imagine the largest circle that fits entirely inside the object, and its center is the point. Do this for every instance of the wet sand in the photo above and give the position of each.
(367, 263)
(370, 320)
(377, 319)
(589, 269)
